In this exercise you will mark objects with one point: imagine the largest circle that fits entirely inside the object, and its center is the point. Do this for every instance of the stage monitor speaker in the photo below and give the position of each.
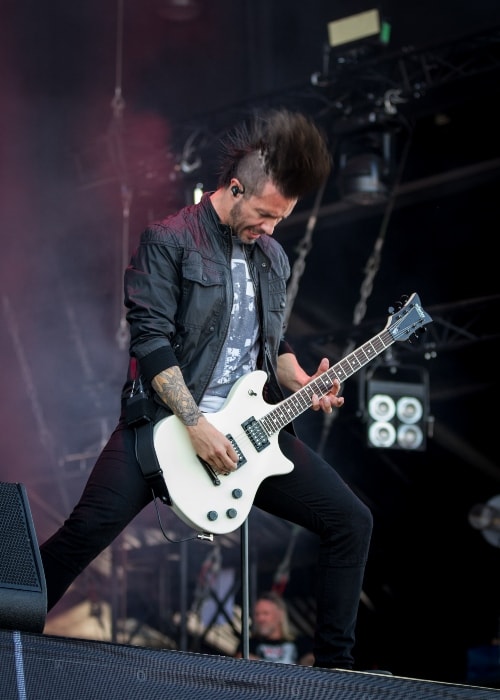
(41, 667)
(23, 593)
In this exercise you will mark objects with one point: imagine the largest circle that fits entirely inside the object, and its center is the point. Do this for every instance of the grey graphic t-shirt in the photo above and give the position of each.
(239, 355)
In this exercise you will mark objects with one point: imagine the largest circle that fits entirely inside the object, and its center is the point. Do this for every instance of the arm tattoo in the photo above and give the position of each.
(170, 387)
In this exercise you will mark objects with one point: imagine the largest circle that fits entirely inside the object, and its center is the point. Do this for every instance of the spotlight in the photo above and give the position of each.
(409, 409)
(382, 434)
(366, 165)
(381, 407)
(410, 437)
(397, 414)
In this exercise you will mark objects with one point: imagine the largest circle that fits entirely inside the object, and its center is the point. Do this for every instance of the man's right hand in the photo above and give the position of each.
(212, 446)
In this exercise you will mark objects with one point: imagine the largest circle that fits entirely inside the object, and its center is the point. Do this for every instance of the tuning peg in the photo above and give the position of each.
(391, 309)
(418, 332)
(402, 302)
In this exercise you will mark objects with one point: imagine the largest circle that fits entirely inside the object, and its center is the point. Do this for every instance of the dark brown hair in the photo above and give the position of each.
(285, 147)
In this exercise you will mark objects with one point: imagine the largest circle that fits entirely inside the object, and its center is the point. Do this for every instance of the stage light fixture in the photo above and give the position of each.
(409, 409)
(410, 437)
(366, 161)
(397, 414)
(381, 407)
(367, 140)
(382, 434)
(357, 29)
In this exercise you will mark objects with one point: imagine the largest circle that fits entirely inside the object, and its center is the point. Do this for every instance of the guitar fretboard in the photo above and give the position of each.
(291, 407)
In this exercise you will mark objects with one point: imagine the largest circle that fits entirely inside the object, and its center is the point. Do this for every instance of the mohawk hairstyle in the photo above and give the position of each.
(279, 145)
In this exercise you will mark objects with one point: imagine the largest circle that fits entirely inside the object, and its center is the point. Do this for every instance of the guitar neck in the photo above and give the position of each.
(292, 407)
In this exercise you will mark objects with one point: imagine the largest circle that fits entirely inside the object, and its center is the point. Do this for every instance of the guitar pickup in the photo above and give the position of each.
(255, 433)
(241, 457)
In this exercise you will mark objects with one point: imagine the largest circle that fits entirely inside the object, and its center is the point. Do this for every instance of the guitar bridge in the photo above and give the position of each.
(214, 477)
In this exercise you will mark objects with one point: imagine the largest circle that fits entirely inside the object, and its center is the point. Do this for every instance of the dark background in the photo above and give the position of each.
(111, 113)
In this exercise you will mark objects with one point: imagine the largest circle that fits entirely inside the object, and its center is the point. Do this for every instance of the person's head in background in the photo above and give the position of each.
(270, 617)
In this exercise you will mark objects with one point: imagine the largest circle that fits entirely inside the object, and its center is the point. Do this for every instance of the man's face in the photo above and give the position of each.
(258, 215)
(267, 619)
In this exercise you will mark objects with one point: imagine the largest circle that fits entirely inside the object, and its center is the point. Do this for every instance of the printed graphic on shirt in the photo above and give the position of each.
(280, 653)
(240, 351)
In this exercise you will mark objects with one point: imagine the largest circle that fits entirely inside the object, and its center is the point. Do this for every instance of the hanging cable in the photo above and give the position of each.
(373, 265)
(304, 247)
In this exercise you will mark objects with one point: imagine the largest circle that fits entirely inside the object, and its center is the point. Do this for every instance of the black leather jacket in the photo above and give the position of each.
(179, 295)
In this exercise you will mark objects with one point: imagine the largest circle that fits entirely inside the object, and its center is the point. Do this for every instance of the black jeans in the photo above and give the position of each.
(312, 495)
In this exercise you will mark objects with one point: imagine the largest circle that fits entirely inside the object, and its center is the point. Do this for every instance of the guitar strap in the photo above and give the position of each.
(140, 412)
(148, 461)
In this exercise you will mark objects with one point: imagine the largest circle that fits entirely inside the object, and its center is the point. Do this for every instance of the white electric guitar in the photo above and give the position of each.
(220, 504)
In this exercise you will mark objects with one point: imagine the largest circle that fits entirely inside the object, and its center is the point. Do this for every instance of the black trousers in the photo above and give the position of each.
(312, 495)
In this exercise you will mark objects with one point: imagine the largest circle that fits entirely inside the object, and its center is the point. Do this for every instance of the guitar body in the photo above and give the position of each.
(219, 505)
(196, 499)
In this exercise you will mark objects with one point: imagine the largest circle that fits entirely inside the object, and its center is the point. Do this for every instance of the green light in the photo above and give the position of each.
(385, 33)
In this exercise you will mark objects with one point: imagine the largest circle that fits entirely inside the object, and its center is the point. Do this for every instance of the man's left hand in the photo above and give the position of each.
(331, 400)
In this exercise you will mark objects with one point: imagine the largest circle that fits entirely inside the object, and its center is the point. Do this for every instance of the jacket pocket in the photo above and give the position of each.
(203, 296)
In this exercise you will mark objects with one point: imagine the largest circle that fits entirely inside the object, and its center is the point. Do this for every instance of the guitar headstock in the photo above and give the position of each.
(403, 300)
(407, 318)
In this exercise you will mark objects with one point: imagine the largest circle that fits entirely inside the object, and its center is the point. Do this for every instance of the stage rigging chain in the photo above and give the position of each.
(371, 269)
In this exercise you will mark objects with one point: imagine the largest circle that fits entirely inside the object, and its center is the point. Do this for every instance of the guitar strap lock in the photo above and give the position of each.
(148, 461)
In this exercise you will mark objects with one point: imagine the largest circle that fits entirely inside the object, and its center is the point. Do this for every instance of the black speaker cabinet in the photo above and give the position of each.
(41, 667)
(23, 594)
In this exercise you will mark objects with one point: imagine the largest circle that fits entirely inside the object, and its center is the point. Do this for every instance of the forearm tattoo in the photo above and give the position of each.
(170, 387)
